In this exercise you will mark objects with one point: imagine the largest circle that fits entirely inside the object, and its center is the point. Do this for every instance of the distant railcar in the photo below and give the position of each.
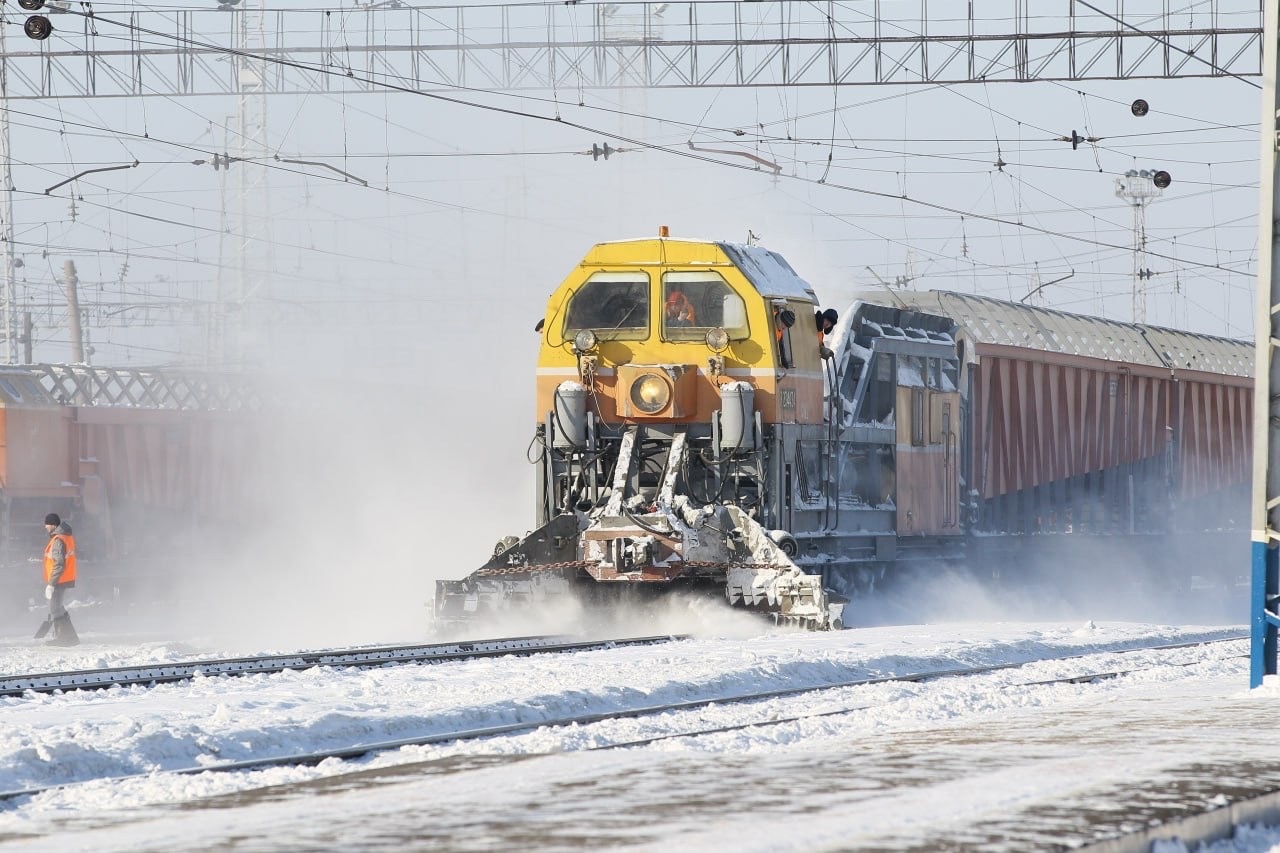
(143, 463)
(693, 431)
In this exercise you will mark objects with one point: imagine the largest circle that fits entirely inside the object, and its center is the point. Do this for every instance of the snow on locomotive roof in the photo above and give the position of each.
(768, 272)
(995, 321)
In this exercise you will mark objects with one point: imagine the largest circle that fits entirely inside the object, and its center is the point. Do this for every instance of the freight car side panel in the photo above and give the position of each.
(1037, 421)
(1070, 443)
(184, 466)
(147, 470)
(40, 465)
(1214, 437)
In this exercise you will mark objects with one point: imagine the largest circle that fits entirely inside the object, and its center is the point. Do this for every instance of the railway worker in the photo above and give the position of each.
(680, 310)
(826, 321)
(59, 576)
(783, 319)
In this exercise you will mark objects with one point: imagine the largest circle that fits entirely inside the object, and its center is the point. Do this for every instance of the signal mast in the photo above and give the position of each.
(1138, 187)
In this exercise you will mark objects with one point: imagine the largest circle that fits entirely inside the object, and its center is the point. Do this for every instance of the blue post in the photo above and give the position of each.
(1265, 510)
(1262, 651)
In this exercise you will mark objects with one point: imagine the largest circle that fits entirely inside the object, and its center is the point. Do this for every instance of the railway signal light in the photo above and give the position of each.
(37, 27)
(1161, 179)
(31, 5)
(1139, 108)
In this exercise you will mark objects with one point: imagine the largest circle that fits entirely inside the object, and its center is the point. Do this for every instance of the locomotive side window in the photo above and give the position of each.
(917, 417)
(786, 357)
(694, 302)
(613, 305)
(784, 318)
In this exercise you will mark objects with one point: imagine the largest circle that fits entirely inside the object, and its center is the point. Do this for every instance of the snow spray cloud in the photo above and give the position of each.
(1182, 579)
(368, 482)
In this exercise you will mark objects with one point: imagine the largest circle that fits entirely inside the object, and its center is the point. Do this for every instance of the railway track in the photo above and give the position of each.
(367, 657)
(362, 749)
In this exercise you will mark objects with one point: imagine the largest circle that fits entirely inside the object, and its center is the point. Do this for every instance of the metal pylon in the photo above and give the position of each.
(1137, 188)
(253, 252)
(10, 295)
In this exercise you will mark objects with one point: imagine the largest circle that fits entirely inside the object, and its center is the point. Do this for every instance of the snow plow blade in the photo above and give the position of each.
(771, 583)
(665, 547)
(629, 545)
(521, 575)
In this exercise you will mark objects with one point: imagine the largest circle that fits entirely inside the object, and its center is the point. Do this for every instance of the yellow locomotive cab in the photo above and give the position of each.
(671, 321)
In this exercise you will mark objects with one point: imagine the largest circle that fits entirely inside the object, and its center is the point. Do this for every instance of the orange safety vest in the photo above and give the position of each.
(69, 572)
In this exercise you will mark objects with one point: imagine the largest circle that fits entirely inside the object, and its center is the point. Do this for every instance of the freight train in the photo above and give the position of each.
(694, 430)
(145, 464)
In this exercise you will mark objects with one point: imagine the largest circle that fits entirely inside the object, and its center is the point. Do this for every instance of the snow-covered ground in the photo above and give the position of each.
(988, 762)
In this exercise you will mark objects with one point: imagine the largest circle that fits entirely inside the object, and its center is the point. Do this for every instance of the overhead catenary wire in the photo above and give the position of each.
(903, 198)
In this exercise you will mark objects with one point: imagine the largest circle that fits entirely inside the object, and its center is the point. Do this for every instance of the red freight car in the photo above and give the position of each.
(128, 455)
(1082, 424)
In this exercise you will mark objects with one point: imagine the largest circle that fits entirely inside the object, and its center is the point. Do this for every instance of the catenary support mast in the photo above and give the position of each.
(8, 287)
(1265, 515)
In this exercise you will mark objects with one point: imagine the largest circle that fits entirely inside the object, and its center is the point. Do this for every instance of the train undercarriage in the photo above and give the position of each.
(624, 523)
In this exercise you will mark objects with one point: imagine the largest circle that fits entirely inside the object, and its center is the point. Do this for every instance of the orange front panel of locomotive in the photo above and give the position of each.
(791, 399)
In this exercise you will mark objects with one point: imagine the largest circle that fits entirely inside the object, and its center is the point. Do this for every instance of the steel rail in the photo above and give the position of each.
(101, 679)
(358, 750)
(1086, 678)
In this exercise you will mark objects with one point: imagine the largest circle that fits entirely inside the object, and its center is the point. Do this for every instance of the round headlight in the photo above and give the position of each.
(650, 394)
(585, 341)
(717, 339)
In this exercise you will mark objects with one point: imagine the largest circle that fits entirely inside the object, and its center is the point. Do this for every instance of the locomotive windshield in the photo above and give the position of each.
(613, 305)
(694, 302)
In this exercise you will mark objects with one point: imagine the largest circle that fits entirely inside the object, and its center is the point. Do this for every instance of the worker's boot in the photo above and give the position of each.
(64, 634)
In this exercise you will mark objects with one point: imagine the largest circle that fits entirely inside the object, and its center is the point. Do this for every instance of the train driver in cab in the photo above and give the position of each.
(680, 310)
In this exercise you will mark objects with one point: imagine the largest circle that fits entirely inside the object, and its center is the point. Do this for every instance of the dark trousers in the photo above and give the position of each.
(56, 607)
(64, 633)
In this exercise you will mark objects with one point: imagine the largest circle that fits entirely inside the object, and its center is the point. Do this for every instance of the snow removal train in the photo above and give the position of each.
(694, 430)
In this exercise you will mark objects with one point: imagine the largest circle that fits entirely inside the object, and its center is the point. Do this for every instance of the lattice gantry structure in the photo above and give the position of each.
(575, 45)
